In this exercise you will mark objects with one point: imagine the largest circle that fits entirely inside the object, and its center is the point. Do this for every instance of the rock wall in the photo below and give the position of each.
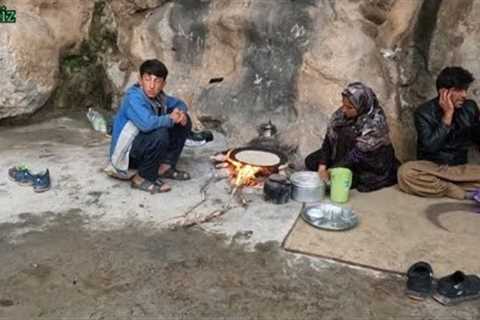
(30, 50)
(240, 63)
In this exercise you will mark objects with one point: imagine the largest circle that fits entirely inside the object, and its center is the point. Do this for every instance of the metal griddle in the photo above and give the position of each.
(283, 158)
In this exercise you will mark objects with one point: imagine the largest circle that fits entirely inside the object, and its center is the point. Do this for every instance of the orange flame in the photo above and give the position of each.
(244, 174)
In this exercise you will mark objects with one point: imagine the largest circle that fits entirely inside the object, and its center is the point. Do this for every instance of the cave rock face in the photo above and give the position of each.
(239, 64)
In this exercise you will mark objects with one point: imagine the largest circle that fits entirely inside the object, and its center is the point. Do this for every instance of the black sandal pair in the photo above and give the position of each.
(452, 289)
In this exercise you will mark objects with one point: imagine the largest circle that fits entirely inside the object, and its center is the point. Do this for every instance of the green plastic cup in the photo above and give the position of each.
(340, 183)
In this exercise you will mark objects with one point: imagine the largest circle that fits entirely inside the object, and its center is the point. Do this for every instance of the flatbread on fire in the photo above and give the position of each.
(258, 158)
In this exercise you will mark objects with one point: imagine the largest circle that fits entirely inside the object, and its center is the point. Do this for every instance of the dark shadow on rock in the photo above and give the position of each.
(186, 20)
(425, 27)
(420, 81)
(277, 35)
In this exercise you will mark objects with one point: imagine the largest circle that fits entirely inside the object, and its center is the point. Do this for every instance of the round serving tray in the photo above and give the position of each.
(328, 216)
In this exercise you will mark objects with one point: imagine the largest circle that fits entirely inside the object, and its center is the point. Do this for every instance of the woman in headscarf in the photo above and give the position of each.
(358, 138)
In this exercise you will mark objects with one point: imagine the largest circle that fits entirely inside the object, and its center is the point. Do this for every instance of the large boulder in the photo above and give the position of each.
(27, 68)
(31, 47)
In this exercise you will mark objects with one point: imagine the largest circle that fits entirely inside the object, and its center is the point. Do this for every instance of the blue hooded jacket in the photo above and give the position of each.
(139, 109)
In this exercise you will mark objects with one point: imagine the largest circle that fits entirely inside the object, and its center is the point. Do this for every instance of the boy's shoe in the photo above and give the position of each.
(41, 182)
(205, 135)
(194, 143)
(21, 175)
(456, 288)
(420, 281)
(198, 138)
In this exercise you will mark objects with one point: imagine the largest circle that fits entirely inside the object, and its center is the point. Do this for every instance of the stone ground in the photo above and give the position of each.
(93, 248)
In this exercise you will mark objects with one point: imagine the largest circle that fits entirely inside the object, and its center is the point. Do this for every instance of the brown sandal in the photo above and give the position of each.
(148, 186)
(163, 187)
(175, 174)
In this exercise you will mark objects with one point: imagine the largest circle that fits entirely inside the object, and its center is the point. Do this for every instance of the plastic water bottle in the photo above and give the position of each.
(97, 121)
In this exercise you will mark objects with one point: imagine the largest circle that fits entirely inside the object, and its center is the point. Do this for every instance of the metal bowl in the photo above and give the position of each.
(330, 217)
(307, 186)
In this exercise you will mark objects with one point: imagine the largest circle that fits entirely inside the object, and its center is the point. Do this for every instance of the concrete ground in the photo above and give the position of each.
(93, 248)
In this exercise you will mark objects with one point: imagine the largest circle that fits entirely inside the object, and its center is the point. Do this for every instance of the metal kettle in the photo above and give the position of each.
(267, 130)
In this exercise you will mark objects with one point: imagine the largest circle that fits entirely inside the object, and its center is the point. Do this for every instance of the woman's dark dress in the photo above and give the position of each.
(371, 170)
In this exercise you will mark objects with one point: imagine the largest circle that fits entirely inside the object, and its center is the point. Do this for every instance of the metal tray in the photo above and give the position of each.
(330, 217)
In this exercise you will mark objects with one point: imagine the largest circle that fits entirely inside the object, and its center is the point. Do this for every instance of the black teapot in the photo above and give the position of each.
(277, 189)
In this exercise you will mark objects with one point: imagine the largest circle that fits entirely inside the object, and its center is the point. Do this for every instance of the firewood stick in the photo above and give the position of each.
(203, 197)
(212, 215)
(232, 194)
(187, 221)
(243, 199)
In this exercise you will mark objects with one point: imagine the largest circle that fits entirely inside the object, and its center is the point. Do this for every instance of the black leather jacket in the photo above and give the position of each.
(446, 145)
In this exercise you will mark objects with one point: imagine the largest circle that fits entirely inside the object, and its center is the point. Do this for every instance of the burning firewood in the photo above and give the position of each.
(222, 165)
(241, 175)
(219, 157)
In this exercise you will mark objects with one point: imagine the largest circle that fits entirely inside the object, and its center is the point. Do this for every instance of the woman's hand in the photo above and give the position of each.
(323, 173)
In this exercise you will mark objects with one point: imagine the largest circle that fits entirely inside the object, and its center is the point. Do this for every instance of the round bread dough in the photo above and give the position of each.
(258, 158)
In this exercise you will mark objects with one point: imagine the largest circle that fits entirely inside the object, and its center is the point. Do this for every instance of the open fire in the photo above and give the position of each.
(242, 174)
